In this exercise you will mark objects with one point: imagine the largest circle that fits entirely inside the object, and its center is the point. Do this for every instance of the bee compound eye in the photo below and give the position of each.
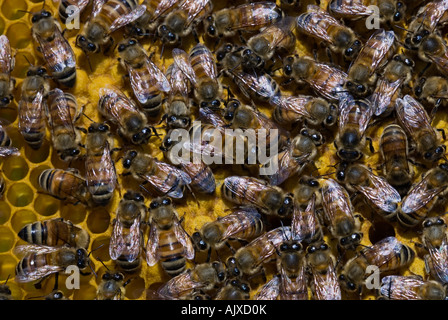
(427, 223)
(216, 103)
(132, 42)
(5, 100)
(121, 47)
(221, 276)
(166, 201)
(284, 247)
(245, 288)
(118, 277)
(46, 14)
(154, 205)
(397, 16)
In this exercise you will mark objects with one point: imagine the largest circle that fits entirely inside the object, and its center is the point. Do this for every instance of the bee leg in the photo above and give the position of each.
(230, 248)
(424, 69)
(83, 130)
(442, 132)
(418, 164)
(287, 82)
(240, 35)
(195, 35)
(330, 57)
(372, 150)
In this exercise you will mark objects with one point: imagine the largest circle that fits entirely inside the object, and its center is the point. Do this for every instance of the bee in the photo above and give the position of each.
(379, 193)
(177, 109)
(148, 82)
(325, 80)
(354, 117)
(307, 188)
(231, 56)
(56, 50)
(248, 260)
(320, 25)
(7, 63)
(305, 223)
(397, 73)
(270, 200)
(39, 261)
(292, 159)
(62, 114)
(433, 89)
(183, 20)
(32, 106)
(423, 196)
(204, 277)
(425, 22)
(394, 151)
(107, 17)
(127, 238)
(201, 175)
(411, 288)
(321, 265)
(270, 290)
(243, 224)
(111, 287)
(6, 148)
(434, 50)
(435, 240)
(167, 242)
(235, 289)
(362, 73)
(415, 121)
(66, 8)
(390, 11)
(200, 68)
(309, 109)
(132, 123)
(342, 223)
(101, 176)
(5, 291)
(163, 177)
(66, 185)
(55, 232)
(388, 254)
(250, 17)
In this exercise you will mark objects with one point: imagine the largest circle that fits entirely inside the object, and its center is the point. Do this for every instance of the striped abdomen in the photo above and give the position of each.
(32, 123)
(255, 16)
(63, 184)
(171, 253)
(63, 109)
(114, 9)
(202, 178)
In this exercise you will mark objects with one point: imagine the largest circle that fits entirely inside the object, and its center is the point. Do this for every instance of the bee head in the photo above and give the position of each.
(86, 45)
(128, 159)
(167, 36)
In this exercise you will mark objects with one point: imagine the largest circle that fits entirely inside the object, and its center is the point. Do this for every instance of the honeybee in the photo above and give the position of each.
(62, 115)
(148, 82)
(201, 175)
(411, 288)
(390, 11)
(235, 289)
(432, 89)
(342, 223)
(292, 159)
(56, 50)
(231, 56)
(362, 73)
(39, 261)
(5, 291)
(107, 17)
(309, 109)
(6, 148)
(204, 276)
(270, 290)
(32, 106)
(7, 63)
(394, 151)
(307, 188)
(359, 178)
(183, 20)
(321, 265)
(167, 242)
(305, 223)
(66, 185)
(248, 260)
(117, 108)
(200, 68)
(55, 232)
(101, 176)
(397, 73)
(111, 287)
(243, 224)
(249, 17)
(415, 121)
(177, 109)
(67, 8)
(387, 254)
(435, 240)
(423, 196)
(320, 25)
(127, 238)
(325, 80)
(434, 50)
(354, 117)
(270, 200)
(163, 177)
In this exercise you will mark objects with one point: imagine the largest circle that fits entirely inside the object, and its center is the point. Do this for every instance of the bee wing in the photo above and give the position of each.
(231, 184)
(177, 80)
(63, 109)
(419, 196)
(33, 249)
(382, 252)
(255, 83)
(294, 290)
(194, 8)
(259, 9)
(331, 87)
(106, 172)
(327, 285)
(287, 166)
(38, 273)
(59, 54)
(117, 242)
(33, 114)
(6, 58)
(304, 224)
(383, 94)
(234, 221)
(439, 259)
(162, 7)
(400, 287)
(364, 109)
(212, 116)
(433, 11)
(440, 62)
(412, 115)
(380, 193)
(208, 63)
(280, 31)
(308, 22)
(121, 101)
(159, 183)
(97, 6)
(9, 151)
(295, 104)
(269, 291)
(334, 198)
(184, 239)
(350, 9)
(180, 285)
(152, 256)
(181, 58)
(123, 20)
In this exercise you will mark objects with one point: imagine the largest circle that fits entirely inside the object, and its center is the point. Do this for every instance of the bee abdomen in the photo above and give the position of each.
(35, 233)
(171, 253)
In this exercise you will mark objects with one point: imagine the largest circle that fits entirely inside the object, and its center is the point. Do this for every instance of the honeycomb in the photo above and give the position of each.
(24, 202)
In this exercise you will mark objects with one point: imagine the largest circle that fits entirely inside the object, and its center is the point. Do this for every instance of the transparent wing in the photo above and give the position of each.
(117, 242)
(259, 9)
(184, 239)
(419, 196)
(181, 58)
(162, 7)
(105, 174)
(412, 115)
(57, 98)
(383, 94)
(6, 59)
(327, 285)
(309, 23)
(59, 54)
(208, 63)
(295, 104)
(152, 256)
(400, 287)
(97, 6)
(269, 291)
(127, 18)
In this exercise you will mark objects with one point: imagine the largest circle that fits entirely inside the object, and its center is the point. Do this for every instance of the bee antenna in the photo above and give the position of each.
(87, 117)
(19, 10)
(95, 249)
(161, 51)
(402, 28)
(29, 62)
(99, 259)
(147, 191)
